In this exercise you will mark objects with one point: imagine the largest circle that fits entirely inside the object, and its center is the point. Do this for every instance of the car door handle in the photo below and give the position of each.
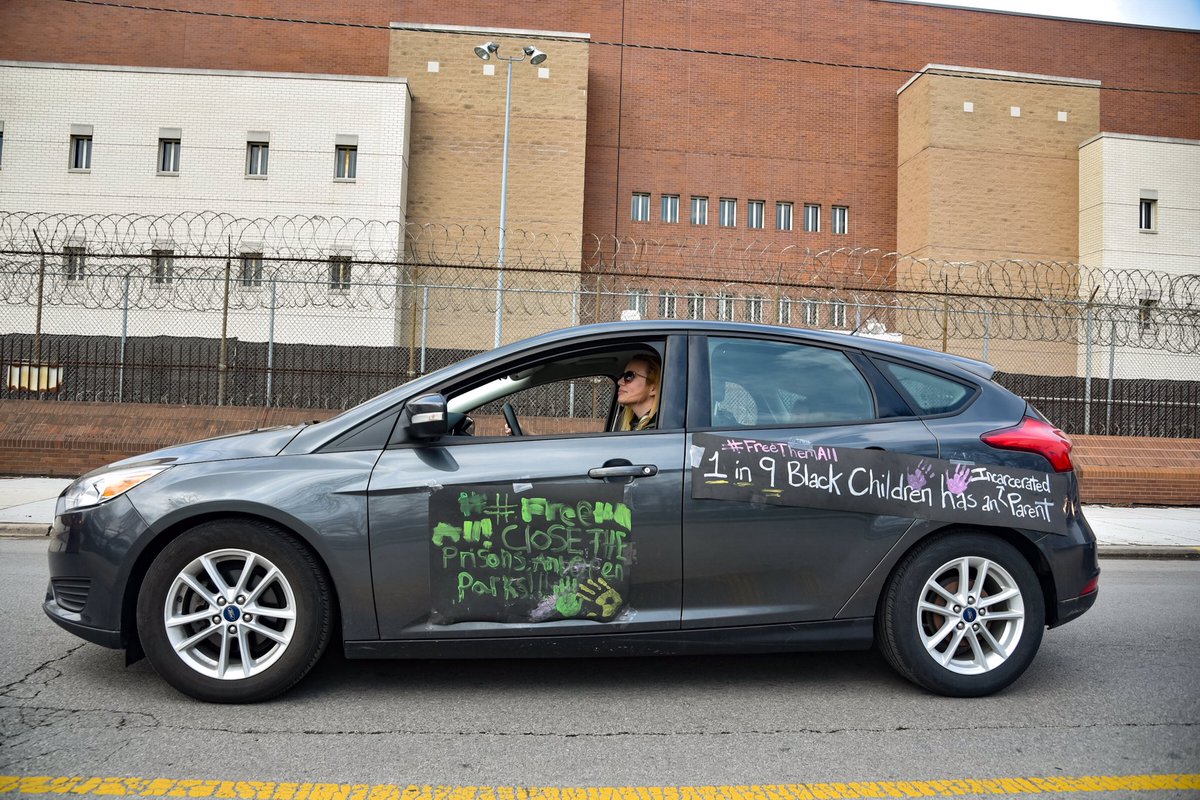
(624, 471)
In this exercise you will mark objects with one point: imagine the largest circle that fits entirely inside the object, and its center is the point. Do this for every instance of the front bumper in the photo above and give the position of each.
(70, 622)
(91, 558)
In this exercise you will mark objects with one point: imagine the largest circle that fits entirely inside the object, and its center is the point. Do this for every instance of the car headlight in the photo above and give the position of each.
(92, 490)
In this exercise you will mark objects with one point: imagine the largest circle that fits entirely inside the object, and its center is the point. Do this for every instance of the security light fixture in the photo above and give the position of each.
(534, 56)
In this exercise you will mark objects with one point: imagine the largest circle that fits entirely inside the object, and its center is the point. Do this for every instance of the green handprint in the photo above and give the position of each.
(603, 600)
(566, 601)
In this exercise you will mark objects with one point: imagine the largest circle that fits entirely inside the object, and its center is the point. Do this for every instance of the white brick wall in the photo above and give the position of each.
(1115, 170)
(126, 107)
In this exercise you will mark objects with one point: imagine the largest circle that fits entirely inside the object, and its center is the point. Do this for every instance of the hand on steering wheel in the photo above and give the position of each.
(510, 416)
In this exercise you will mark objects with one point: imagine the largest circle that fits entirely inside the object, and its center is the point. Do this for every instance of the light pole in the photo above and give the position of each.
(535, 56)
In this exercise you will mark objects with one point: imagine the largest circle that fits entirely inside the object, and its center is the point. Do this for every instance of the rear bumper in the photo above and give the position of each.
(1070, 609)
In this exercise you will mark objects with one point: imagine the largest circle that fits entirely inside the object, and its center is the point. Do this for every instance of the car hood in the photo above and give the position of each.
(248, 444)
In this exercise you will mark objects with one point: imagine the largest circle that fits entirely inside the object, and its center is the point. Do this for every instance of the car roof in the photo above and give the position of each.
(980, 369)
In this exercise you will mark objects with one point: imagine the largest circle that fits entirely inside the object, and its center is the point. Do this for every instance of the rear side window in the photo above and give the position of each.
(929, 393)
(764, 383)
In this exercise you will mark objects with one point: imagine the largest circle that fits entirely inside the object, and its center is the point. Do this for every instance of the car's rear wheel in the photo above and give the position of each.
(234, 611)
(962, 615)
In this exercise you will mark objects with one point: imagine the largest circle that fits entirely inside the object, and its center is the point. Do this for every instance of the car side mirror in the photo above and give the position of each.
(427, 417)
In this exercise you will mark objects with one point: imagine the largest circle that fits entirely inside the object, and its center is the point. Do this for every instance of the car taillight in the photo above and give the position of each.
(1034, 436)
(1091, 586)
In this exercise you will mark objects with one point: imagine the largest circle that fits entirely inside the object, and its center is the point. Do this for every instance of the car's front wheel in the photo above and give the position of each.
(234, 611)
(962, 615)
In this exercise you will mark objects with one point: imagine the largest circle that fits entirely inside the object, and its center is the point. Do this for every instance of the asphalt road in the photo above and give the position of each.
(1114, 693)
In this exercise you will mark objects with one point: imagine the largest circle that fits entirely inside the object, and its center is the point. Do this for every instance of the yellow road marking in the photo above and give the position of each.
(272, 790)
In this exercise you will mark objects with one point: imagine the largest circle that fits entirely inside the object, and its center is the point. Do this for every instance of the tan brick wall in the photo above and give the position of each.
(455, 175)
(985, 185)
(998, 186)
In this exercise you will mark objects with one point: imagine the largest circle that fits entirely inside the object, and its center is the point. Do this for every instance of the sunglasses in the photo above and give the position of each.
(629, 375)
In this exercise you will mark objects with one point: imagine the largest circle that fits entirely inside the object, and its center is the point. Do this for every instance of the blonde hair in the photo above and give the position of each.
(628, 421)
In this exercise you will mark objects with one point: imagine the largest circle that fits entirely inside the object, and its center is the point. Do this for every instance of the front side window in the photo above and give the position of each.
(641, 207)
(252, 269)
(81, 152)
(728, 211)
(699, 211)
(73, 263)
(168, 156)
(568, 396)
(812, 218)
(162, 266)
(346, 167)
(756, 383)
(339, 273)
(257, 154)
(783, 216)
(670, 208)
(841, 219)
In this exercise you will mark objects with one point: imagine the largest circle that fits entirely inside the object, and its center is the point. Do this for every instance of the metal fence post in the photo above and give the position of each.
(124, 339)
(424, 325)
(271, 344)
(41, 294)
(571, 385)
(1112, 361)
(1087, 385)
(223, 350)
(987, 332)
(946, 315)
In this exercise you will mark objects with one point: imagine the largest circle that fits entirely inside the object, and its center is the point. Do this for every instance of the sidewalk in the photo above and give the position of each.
(27, 509)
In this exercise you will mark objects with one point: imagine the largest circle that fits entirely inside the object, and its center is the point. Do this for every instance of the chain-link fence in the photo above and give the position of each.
(312, 312)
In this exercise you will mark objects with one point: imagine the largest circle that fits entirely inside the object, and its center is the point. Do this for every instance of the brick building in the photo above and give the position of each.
(830, 129)
(759, 102)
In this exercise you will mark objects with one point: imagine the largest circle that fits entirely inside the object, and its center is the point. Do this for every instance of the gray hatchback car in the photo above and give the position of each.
(782, 490)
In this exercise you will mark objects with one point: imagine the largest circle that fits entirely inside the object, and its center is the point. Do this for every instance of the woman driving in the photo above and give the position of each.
(637, 392)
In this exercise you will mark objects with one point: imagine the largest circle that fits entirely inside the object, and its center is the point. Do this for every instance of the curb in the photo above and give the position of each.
(1157, 552)
(24, 530)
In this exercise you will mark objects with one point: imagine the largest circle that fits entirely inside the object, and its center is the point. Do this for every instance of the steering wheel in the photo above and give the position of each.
(510, 416)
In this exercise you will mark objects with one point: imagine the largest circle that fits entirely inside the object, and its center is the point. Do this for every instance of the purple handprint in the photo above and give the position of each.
(957, 483)
(919, 476)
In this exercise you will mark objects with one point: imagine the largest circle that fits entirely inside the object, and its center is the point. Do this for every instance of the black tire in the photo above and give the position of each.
(961, 653)
(281, 617)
